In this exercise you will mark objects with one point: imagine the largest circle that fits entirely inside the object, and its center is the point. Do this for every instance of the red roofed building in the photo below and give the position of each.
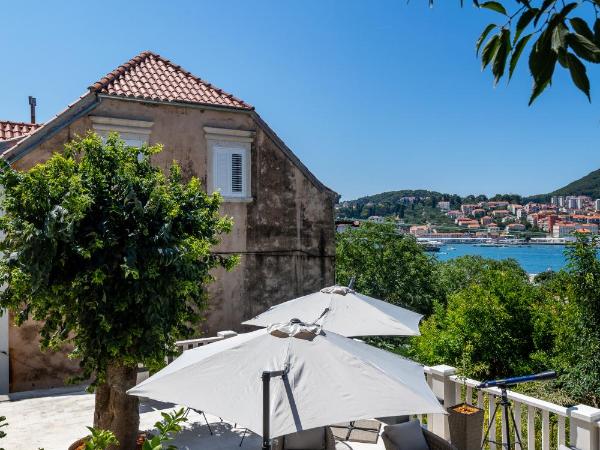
(283, 215)
(12, 132)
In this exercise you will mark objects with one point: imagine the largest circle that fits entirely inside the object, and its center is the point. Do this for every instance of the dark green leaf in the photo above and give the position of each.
(559, 35)
(562, 59)
(485, 33)
(567, 9)
(542, 61)
(597, 32)
(578, 74)
(494, 6)
(583, 47)
(489, 50)
(581, 27)
(538, 88)
(543, 9)
(501, 55)
(524, 21)
(517, 54)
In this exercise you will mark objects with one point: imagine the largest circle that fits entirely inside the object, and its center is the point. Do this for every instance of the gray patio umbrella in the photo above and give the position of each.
(300, 376)
(346, 312)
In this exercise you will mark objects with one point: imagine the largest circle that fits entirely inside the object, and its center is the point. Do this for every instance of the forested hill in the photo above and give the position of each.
(420, 203)
(587, 185)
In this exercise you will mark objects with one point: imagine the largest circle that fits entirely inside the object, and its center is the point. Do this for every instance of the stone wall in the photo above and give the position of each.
(285, 235)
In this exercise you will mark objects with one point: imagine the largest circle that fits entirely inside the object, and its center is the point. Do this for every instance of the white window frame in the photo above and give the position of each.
(227, 142)
(134, 133)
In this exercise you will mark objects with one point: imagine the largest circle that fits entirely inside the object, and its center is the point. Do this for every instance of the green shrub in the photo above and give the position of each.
(490, 313)
(100, 439)
(168, 427)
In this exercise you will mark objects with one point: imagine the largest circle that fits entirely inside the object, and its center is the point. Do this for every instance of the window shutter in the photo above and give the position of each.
(222, 171)
(237, 173)
(230, 171)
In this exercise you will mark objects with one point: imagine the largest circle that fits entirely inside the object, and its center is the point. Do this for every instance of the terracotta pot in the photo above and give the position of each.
(78, 443)
(466, 426)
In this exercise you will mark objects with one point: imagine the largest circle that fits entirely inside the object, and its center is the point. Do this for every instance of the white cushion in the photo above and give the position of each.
(407, 436)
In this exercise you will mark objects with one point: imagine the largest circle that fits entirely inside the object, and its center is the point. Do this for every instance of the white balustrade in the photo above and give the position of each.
(189, 344)
(541, 425)
(182, 346)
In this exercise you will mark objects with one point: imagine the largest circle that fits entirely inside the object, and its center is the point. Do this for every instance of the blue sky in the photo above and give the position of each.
(372, 96)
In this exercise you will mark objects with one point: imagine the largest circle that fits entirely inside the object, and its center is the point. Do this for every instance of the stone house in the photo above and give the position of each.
(283, 215)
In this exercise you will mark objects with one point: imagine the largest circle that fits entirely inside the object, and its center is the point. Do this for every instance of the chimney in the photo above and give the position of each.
(32, 104)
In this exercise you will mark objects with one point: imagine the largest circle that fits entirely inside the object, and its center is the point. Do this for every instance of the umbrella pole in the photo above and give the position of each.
(266, 378)
(266, 382)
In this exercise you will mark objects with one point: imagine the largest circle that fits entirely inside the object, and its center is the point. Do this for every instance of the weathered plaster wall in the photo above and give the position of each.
(29, 367)
(285, 236)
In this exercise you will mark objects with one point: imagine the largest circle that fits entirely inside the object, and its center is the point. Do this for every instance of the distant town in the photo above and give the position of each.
(553, 222)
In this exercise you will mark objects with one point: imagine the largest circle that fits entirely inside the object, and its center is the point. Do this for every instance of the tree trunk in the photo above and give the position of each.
(115, 410)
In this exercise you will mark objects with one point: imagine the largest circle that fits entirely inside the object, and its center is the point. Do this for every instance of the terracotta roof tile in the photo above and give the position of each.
(149, 76)
(11, 130)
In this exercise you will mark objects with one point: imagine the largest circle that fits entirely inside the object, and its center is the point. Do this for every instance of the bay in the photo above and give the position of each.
(533, 258)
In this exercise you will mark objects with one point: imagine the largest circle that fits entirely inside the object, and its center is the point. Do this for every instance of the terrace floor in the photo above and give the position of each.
(54, 419)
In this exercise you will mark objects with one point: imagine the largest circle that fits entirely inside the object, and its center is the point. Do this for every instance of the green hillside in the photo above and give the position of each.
(587, 185)
(414, 206)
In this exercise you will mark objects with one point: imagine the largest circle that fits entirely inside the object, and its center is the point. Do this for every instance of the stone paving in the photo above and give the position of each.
(54, 419)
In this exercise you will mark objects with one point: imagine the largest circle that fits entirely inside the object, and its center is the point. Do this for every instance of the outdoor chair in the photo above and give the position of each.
(320, 438)
(412, 436)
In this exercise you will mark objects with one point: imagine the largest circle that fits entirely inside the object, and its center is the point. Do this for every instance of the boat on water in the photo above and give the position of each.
(430, 245)
(512, 241)
(491, 244)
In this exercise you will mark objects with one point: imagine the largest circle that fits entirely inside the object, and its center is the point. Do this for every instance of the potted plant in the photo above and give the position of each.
(465, 421)
(168, 427)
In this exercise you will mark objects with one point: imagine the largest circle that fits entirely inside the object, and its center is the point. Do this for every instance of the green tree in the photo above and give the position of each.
(387, 265)
(488, 311)
(459, 273)
(581, 357)
(551, 31)
(111, 255)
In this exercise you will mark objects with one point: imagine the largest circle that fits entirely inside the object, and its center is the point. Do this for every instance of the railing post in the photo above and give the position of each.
(443, 387)
(584, 427)
(226, 334)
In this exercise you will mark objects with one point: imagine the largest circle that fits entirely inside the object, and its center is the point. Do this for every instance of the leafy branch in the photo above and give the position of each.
(551, 32)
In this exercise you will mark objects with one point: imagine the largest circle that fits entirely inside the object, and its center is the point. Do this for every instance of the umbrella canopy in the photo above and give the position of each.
(346, 312)
(329, 379)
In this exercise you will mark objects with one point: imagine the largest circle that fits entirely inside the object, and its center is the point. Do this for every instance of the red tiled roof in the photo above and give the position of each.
(149, 76)
(11, 130)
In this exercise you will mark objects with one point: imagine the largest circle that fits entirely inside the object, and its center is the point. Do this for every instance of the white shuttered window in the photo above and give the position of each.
(229, 171)
(229, 163)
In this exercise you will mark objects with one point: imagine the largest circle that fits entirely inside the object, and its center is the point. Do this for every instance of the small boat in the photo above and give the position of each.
(430, 245)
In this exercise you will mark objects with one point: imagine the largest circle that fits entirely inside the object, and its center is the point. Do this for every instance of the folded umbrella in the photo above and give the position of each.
(346, 312)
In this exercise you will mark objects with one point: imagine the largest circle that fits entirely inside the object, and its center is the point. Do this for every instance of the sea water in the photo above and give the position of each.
(533, 258)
